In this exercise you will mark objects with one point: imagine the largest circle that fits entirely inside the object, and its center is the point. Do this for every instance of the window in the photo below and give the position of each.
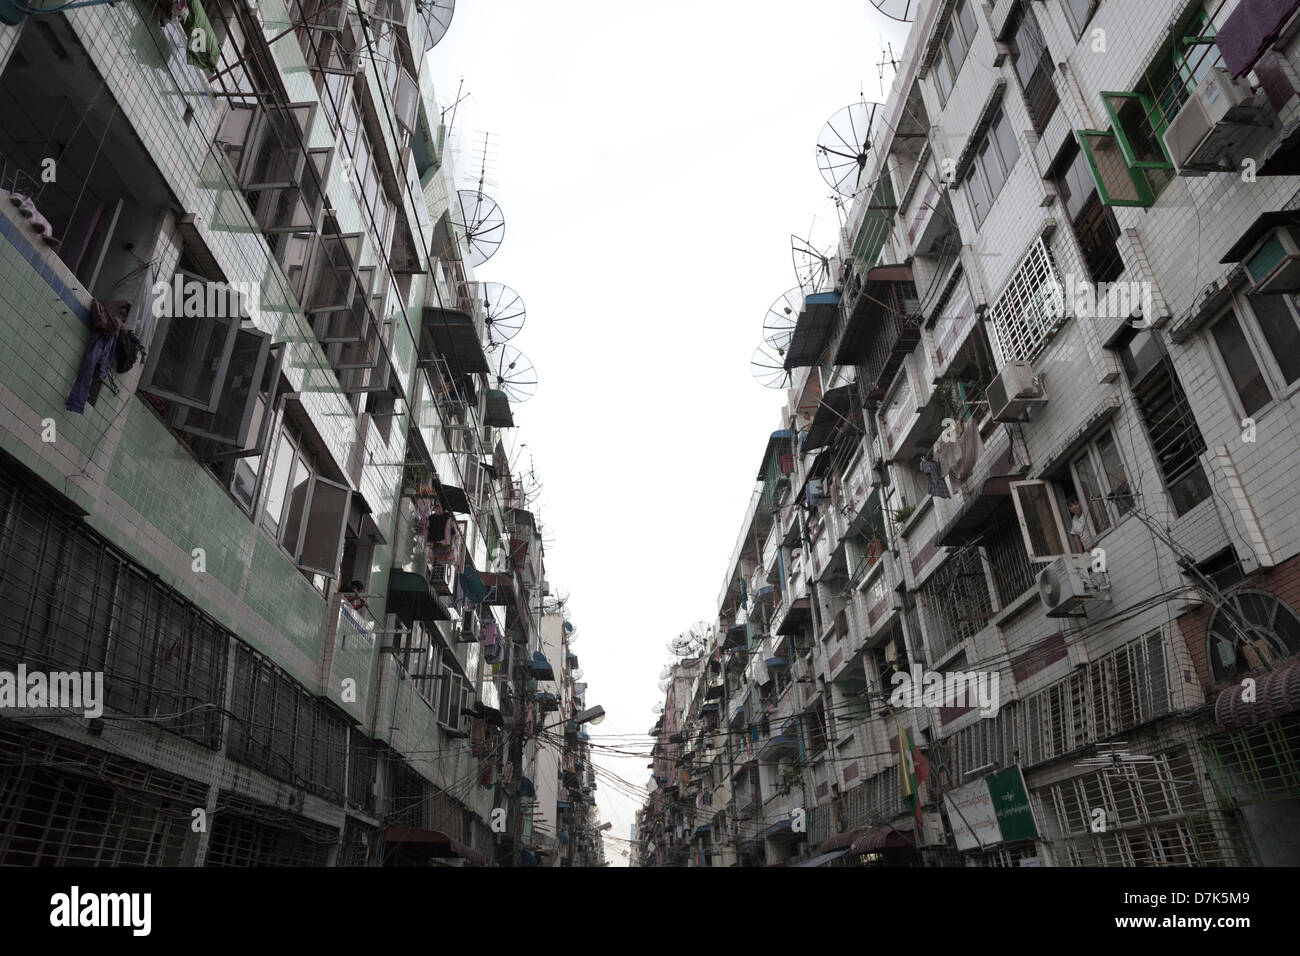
(1093, 222)
(1258, 348)
(952, 51)
(1080, 12)
(1176, 439)
(1130, 161)
(1040, 519)
(1103, 486)
(1239, 360)
(1033, 64)
(956, 601)
(305, 511)
(994, 159)
(1029, 310)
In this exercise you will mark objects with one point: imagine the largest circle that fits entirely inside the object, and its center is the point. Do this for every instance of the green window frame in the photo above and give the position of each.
(1150, 119)
(1118, 183)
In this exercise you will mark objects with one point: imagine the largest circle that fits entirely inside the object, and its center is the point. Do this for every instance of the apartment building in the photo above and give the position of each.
(1040, 434)
(287, 535)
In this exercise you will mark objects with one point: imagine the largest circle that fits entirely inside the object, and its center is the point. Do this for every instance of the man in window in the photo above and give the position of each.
(1078, 527)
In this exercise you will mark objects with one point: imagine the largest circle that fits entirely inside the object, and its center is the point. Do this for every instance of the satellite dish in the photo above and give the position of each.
(503, 312)
(812, 267)
(665, 684)
(484, 225)
(778, 323)
(437, 16)
(666, 673)
(576, 673)
(768, 368)
(514, 374)
(846, 143)
(904, 11)
(657, 709)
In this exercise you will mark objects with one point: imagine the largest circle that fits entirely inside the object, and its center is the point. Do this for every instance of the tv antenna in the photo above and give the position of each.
(460, 98)
(767, 365)
(887, 59)
(779, 322)
(845, 144)
(503, 312)
(904, 11)
(514, 374)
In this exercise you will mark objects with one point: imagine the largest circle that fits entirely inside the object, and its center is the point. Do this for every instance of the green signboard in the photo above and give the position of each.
(1011, 803)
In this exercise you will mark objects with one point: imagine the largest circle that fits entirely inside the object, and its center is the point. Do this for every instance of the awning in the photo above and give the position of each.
(455, 499)
(709, 709)
(764, 593)
(877, 838)
(799, 615)
(776, 746)
(714, 691)
(540, 667)
(737, 636)
(471, 585)
(451, 334)
(776, 662)
(496, 410)
(437, 842)
(411, 598)
(482, 711)
(812, 330)
(778, 441)
(1251, 29)
(1277, 695)
(500, 588)
(821, 860)
(841, 841)
(701, 830)
(831, 414)
(1264, 224)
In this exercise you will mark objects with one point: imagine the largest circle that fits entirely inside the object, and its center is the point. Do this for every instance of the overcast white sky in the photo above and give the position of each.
(652, 160)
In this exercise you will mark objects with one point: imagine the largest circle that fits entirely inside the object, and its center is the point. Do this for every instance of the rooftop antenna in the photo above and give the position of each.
(845, 145)
(460, 96)
(887, 59)
(904, 11)
(779, 322)
(503, 312)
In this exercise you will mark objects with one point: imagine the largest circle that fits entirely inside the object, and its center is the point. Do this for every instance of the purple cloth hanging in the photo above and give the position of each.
(1250, 31)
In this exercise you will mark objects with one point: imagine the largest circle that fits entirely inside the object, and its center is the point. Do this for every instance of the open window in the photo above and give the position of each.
(189, 355)
(1040, 519)
(334, 277)
(306, 512)
(233, 419)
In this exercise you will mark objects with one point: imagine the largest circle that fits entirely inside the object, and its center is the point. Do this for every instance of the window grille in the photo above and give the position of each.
(1030, 308)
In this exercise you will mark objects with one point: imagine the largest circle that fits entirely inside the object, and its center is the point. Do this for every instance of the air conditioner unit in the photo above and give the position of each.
(1209, 131)
(1068, 582)
(469, 627)
(1274, 264)
(443, 577)
(1016, 393)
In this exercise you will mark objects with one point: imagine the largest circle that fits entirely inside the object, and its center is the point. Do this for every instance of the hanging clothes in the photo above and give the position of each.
(96, 362)
(934, 483)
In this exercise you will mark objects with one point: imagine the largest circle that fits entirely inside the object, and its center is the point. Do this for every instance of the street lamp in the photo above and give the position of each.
(592, 715)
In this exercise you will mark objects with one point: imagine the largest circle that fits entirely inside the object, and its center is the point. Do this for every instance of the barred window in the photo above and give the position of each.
(1030, 308)
(956, 601)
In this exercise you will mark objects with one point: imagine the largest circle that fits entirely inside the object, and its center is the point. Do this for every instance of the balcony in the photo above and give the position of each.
(987, 487)
(884, 327)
